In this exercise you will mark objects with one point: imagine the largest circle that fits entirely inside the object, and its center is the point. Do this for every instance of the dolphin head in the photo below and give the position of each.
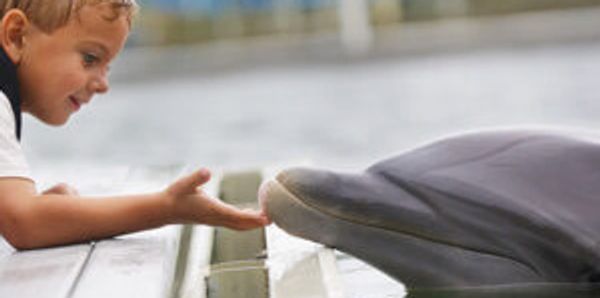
(481, 209)
(400, 228)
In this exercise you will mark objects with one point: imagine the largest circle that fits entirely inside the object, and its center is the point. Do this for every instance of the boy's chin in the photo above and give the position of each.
(53, 121)
(60, 122)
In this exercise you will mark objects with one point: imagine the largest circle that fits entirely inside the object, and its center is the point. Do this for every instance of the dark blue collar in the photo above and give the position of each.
(10, 86)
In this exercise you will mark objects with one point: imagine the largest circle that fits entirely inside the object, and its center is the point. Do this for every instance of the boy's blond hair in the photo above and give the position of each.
(50, 15)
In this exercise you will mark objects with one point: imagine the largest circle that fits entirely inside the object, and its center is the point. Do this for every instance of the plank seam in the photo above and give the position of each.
(81, 271)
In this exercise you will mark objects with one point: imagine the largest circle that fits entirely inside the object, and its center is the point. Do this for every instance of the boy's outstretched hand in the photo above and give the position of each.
(188, 203)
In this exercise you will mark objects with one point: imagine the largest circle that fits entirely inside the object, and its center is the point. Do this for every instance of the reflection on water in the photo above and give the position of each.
(360, 280)
(518, 291)
(337, 115)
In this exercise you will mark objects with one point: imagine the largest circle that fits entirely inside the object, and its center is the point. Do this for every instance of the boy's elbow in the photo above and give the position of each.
(18, 208)
(17, 231)
(19, 242)
(22, 242)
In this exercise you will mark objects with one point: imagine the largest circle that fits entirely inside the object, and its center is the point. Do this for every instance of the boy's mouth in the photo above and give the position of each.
(75, 102)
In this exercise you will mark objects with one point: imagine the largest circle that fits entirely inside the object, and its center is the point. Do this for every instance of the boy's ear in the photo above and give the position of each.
(12, 36)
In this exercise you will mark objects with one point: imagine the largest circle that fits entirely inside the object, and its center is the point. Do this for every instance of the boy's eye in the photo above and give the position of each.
(89, 59)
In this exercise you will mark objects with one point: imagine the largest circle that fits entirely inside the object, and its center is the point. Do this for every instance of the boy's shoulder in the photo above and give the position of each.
(7, 121)
(12, 159)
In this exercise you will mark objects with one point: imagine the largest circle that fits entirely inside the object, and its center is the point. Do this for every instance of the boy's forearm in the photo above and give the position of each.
(49, 220)
(30, 220)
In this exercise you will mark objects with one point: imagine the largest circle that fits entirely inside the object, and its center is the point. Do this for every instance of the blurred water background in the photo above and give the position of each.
(342, 83)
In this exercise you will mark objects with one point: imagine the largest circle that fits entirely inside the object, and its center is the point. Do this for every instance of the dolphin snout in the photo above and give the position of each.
(314, 187)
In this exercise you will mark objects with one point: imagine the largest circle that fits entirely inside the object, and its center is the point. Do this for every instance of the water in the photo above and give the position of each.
(344, 116)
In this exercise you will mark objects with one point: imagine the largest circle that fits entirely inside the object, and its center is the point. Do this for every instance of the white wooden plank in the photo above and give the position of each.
(135, 266)
(41, 273)
(139, 264)
(5, 249)
(361, 280)
(198, 263)
(329, 271)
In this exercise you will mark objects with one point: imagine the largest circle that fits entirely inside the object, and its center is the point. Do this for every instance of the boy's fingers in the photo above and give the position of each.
(253, 217)
(189, 183)
(244, 219)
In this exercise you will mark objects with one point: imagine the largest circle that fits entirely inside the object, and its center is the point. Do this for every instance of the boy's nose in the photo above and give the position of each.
(99, 84)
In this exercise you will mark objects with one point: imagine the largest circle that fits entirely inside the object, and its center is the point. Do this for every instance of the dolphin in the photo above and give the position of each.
(483, 209)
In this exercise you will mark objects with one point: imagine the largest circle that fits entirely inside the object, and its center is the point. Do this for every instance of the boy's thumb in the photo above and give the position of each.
(191, 182)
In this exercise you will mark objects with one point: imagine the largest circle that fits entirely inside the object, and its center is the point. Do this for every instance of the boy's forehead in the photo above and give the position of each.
(95, 24)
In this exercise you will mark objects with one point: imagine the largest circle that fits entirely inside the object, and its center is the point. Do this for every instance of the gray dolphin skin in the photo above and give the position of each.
(486, 209)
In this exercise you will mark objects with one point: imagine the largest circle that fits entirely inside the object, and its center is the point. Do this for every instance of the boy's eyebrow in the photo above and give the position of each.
(102, 47)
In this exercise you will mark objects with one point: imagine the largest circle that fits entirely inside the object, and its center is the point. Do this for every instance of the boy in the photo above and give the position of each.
(54, 57)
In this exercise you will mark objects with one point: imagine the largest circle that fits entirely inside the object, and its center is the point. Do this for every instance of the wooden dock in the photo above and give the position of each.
(184, 260)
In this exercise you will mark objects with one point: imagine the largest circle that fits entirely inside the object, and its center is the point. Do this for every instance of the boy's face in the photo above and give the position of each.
(61, 71)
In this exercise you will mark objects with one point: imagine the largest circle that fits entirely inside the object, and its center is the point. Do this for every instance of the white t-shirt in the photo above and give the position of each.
(12, 159)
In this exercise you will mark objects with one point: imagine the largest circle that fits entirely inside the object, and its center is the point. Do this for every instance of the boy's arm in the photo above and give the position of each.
(30, 220)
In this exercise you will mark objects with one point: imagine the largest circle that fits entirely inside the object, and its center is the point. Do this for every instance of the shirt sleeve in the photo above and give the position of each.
(12, 159)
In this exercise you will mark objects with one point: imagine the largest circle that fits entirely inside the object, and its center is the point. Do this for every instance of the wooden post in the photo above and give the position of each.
(238, 268)
(355, 27)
